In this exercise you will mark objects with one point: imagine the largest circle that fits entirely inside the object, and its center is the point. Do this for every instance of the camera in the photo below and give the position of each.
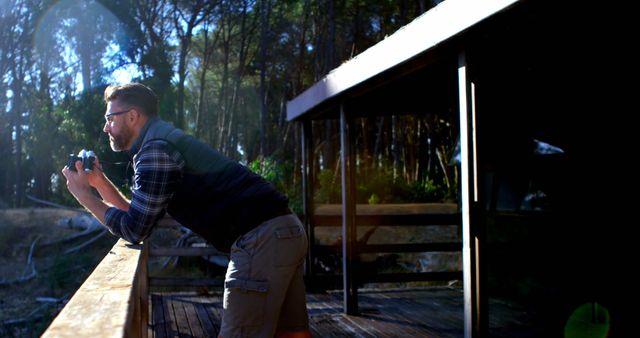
(87, 157)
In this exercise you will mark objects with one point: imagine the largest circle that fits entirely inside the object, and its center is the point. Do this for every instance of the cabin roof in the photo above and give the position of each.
(424, 35)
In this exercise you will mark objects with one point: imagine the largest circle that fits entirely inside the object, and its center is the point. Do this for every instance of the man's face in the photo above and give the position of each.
(117, 126)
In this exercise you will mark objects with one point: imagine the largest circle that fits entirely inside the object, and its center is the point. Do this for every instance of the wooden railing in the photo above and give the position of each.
(411, 214)
(155, 251)
(112, 302)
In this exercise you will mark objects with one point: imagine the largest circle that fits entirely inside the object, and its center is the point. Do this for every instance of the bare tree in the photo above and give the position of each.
(206, 56)
(19, 62)
(245, 37)
(186, 16)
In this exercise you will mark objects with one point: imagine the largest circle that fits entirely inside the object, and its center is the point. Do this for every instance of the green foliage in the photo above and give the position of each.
(279, 173)
(374, 199)
(82, 120)
(267, 168)
(328, 189)
(427, 191)
(378, 186)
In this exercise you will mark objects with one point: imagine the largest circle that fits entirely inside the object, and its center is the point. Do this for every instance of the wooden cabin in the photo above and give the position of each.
(522, 81)
(539, 211)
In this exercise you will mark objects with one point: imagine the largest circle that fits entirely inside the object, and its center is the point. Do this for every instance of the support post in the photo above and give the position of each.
(347, 162)
(307, 191)
(473, 304)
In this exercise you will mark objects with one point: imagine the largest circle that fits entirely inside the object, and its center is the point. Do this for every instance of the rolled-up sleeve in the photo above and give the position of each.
(157, 173)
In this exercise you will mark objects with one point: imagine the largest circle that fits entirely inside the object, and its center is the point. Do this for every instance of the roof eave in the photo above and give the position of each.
(441, 23)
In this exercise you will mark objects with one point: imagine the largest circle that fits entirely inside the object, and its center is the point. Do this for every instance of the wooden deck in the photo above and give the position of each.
(421, 312)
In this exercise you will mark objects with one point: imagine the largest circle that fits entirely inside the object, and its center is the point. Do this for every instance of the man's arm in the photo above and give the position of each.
(157, 173)
(107, 190)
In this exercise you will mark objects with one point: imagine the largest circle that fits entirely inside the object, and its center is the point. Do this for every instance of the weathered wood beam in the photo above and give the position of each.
(185, 281)
(112, 302)
(186, 251)
(413, 247)
(391, 209)
(335, 281)
(389, 220)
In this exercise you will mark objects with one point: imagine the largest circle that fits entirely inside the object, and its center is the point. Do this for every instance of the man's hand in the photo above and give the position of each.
(80, 182)
(96, 176)
(77, 181)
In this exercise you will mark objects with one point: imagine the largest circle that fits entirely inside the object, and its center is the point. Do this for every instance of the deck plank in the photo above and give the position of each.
(209, 328)
(214, 309)
(197, 329)
(448, 321)
(157, 318)
(419, 312)
(169, 317)
(181, 317)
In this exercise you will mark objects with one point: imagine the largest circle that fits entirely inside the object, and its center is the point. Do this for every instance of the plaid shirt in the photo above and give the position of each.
(158, 170)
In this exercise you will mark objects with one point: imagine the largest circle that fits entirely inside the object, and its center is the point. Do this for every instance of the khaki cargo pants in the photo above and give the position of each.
(264, 288)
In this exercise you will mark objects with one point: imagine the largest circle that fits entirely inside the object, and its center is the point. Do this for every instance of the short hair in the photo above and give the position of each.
(134, 94)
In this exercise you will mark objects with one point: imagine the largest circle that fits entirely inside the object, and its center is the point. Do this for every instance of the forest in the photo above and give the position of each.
(224, 71)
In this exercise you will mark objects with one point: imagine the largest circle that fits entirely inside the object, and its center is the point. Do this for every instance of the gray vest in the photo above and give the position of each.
(218, 198)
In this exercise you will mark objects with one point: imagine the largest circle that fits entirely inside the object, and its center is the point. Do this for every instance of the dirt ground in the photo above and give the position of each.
(28, 307)
(32, 294)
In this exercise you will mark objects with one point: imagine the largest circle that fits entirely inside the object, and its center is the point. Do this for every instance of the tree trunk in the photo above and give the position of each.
(222, 94)
(198, 13)
(331, 40)
(17, 104)
(423, 5)
(207, 53)
(265, 8)
(182, 75)
(356, 29)
(302, 48)
(329, 154)
(85, 45)
(378, 144)
(232, 131)
(43, 169)
(395, 146)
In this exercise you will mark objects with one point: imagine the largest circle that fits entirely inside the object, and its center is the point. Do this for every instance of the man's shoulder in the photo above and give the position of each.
(159, 149)
(155, 145)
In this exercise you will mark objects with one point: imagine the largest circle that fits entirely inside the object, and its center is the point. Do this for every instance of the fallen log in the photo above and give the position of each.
(30, 271)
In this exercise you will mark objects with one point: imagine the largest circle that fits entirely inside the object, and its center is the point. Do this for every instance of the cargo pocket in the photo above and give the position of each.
(291, 246)
(245, 305)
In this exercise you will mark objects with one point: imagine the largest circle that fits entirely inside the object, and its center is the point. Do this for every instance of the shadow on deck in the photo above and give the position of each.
(417, 312)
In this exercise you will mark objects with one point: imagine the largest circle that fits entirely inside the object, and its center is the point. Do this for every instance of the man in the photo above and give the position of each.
(230, 206)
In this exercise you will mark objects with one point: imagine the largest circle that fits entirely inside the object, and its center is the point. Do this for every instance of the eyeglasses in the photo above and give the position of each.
(109, 116)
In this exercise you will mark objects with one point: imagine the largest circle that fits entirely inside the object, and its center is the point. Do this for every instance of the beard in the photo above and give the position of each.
(120, 141)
